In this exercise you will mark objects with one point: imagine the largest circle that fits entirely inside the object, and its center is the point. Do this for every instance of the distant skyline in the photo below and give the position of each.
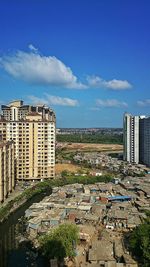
(89, 60)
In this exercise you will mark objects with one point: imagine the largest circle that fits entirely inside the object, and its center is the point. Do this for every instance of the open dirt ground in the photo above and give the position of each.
(92, 147)
(59, 167)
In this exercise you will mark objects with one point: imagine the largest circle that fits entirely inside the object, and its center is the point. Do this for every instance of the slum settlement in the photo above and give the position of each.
(102, 212)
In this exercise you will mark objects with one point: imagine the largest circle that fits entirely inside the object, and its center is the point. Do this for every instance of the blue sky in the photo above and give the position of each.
(87, 59)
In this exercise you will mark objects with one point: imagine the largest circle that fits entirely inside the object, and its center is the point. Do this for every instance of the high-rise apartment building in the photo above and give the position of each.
(136, 139)
(32, 128)
(131, 138)
(7, 169)
(144, 135)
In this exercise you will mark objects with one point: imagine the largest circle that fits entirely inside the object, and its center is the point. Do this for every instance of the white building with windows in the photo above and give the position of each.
(131, 138)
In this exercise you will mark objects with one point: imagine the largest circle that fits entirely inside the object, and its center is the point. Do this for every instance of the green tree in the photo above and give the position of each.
(140, 242)
(60, 242)
(91, 138)
(64, 173)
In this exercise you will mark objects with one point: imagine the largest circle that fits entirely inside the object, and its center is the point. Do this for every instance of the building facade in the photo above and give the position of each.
(136, 136)
(32, 128)
(145, 141)
(131, 138)
(7, 169)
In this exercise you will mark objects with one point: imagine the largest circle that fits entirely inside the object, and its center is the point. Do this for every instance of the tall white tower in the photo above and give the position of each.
(131, 138)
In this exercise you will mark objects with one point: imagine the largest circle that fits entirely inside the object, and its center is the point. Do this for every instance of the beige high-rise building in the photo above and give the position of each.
(32, 128)
(7, 169)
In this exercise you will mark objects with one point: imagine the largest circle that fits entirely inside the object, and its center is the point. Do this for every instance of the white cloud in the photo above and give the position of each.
(98, 82)
(38, 100)
(112, 103)
(32, 48)
(41, 70)
(34, 68)
(54, 100)
(143, 103)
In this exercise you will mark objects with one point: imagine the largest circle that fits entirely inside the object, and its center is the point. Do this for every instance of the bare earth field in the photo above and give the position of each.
(59, 167)
(92, 147)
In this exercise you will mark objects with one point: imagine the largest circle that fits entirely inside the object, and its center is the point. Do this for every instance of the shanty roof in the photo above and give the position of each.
(101, 251)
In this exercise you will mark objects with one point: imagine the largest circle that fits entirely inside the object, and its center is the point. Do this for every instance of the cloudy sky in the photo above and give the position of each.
(89, 60)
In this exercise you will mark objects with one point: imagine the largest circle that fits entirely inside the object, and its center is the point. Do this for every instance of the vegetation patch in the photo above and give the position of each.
(91, 138)
(139, 242)
(60, 242)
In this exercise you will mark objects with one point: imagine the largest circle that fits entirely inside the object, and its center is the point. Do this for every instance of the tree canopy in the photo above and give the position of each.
(140, 242)
(60, 242)
(91, 138)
